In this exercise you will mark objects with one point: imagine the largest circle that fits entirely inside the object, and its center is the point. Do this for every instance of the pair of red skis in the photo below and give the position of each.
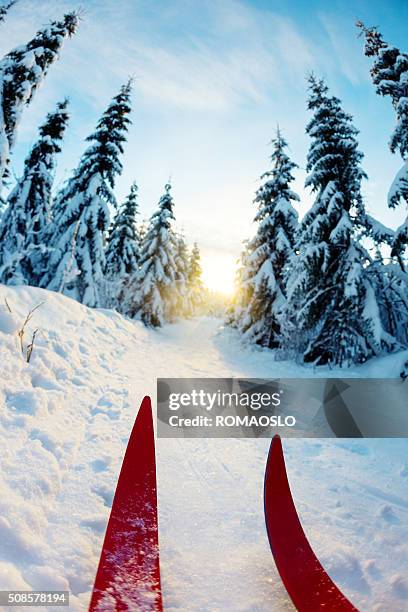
(128, 576)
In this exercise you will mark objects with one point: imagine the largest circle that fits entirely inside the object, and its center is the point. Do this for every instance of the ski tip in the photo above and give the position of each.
(276, 445)
(144, 415)
(147, 400)
(146, 405)
(275, 457)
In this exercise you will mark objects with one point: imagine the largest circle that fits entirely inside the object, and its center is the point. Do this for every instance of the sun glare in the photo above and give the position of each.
(219, 270)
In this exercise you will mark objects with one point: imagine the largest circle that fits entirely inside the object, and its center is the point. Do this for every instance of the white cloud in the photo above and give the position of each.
(235, 57)
(231, 65)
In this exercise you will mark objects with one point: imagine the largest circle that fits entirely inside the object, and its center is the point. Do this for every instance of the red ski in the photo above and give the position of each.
(128, 576)
(309, 586)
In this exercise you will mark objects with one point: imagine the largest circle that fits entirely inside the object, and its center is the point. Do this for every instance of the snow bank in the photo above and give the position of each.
(58, 438)
(64, 422)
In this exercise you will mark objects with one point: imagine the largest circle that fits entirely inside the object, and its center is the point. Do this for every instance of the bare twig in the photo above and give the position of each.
(30, 347)
(22, 330)
(8, 306)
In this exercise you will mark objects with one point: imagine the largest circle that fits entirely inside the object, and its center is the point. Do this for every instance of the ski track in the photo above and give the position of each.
(64, 423)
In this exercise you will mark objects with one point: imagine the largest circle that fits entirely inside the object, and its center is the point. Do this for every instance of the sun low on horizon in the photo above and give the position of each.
(219, 271)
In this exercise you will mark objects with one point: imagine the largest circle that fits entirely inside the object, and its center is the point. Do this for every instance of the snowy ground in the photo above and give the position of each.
(64, 422)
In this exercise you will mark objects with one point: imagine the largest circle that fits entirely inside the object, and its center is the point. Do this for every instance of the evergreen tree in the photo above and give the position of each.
(332, 315)
(389, 280)
(123, 249)
(390, 289)
(180, 296)
(389, 74)
(271, 249)
(153, 297)
(194, 281)
(142, 231)
(236, 316)
(81, 210)
(122, 253)
(5, 9)
(21, 72)
(24, 222)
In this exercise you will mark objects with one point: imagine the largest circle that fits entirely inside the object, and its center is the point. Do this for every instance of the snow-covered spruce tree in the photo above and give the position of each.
(332, 314)
(81, 210)
(123, 250)
(21, 72)
(389, 279)
(5, 9)
(243, 286)
(389, 74)
(390, 288)
(153, 291)
(24, 222)
(181, 296)
(142, 231)
(194, 281)
(271, 249)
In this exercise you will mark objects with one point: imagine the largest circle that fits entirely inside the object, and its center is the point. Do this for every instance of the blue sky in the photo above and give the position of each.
(212, 80)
